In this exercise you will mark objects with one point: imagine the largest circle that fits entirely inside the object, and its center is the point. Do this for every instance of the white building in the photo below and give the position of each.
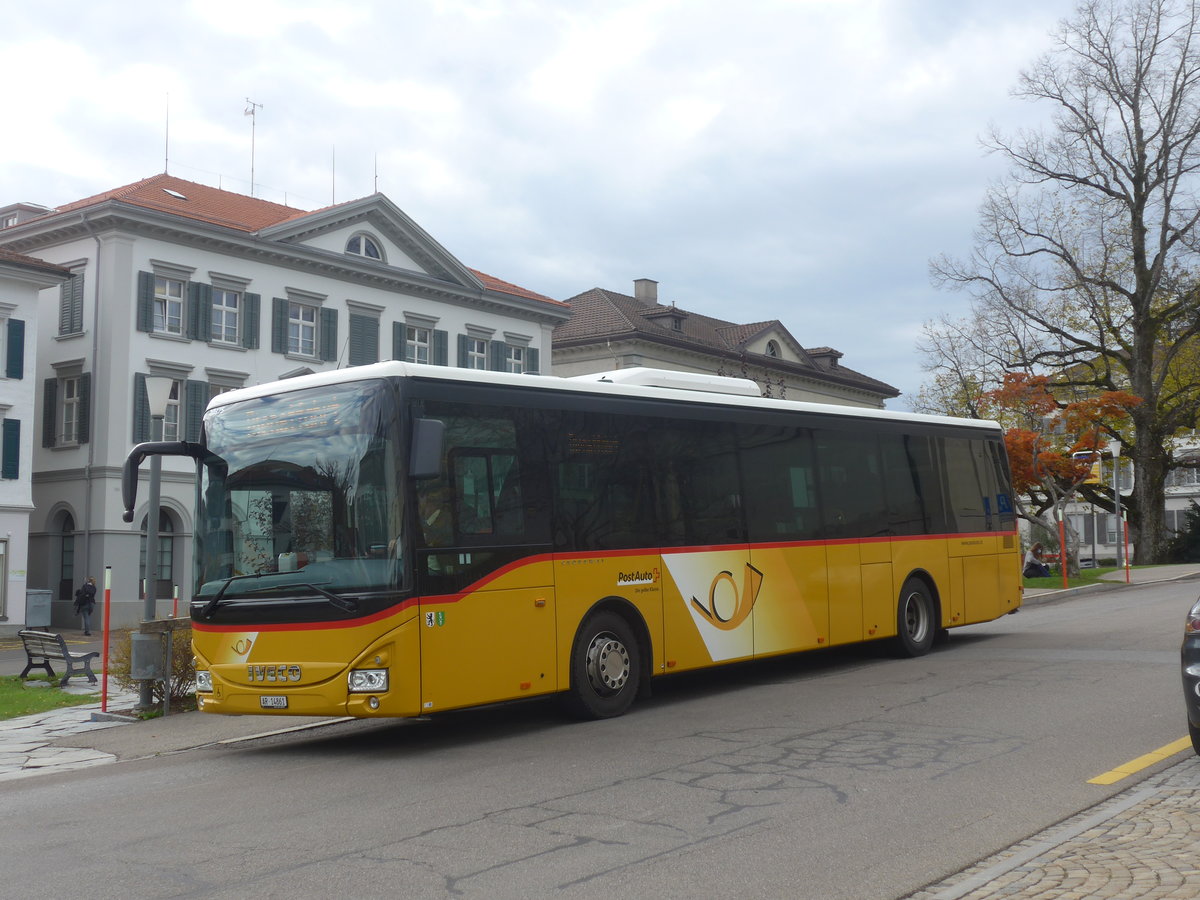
(217, 290)
(22, 278)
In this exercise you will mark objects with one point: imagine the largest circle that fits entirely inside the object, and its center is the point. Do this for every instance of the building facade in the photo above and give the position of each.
(609, 330)
(214, 291)
(22, 278)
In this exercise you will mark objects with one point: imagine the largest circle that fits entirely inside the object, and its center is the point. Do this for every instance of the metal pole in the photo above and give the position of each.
(149, 612)
(1117, 504)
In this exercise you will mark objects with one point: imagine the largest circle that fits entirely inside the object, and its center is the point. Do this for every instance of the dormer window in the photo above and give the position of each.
(364, 245)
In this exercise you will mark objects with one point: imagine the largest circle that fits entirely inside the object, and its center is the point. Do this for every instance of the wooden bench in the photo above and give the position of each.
(46, 645)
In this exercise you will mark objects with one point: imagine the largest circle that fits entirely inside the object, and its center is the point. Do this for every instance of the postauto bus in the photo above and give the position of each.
(399, 540)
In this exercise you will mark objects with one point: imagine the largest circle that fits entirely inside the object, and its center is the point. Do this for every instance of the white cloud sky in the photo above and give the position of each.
(792, 159)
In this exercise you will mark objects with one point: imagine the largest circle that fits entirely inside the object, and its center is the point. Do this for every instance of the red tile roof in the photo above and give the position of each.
(31, 261)
(166, 193)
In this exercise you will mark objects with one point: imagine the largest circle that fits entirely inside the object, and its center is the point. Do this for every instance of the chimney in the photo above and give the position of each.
(646, 291)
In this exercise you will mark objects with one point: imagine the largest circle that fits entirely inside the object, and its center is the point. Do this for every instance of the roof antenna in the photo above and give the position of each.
(167, 138)
(333, 175)
(252, 109)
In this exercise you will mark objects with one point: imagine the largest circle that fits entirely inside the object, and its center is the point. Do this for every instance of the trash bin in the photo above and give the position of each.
(37, 608)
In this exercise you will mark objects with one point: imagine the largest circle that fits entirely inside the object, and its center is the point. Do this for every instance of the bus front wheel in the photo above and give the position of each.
(606, 667)
(916, 619)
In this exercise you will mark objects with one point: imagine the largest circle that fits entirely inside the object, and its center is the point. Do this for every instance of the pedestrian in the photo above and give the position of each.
(1035, 566)
(85, 602)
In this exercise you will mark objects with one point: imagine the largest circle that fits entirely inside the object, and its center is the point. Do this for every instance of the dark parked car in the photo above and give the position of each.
(1191, 672)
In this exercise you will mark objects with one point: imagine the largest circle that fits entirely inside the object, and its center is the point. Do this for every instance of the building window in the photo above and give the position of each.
(66, 561)
(773, 349)
(168, 305)
(70, 305)
(476, 353)
(302, 329)
(514, 359)
(66, 406)
(363, 245)
(171, 420)
(166, 553)
(68, 411)
(226, 309)
(12, 346)
(10, 464)
(416, 344)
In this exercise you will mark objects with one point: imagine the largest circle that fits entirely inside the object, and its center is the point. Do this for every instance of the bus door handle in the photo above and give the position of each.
(539, 602)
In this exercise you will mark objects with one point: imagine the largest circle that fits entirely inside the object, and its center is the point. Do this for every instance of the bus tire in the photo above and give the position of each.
(916, 619)
(606, 667)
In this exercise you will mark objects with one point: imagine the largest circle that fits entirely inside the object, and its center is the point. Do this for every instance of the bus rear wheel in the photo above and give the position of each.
(606, 667)
(916, 619)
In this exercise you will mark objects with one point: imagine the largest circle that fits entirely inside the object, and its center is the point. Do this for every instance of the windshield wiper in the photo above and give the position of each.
(346, 603)
(211, 606)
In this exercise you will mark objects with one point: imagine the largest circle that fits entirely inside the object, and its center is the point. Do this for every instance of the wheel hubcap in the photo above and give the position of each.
(916, 619)
(607, 663)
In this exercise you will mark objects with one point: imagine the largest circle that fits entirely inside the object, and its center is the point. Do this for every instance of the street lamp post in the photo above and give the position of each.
(158, 393)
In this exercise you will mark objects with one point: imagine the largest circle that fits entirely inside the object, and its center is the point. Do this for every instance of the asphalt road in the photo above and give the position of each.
(834, 775)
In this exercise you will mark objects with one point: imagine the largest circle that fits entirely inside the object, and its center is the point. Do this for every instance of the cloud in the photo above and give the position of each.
(791, 159)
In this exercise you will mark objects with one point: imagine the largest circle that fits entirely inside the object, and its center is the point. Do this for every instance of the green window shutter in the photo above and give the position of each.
(364, 340)
(196, 393)
(279, 312)
(328, 336)
(141, 409)
(14, 367)
(199, 311)
(70, 305)
(145, 301)
(49, 411)
(462, 351)
(531, 359)
(77, 304)
(250, 305)
(83, 432)
(439, 352)
(64, 306)
(10, 467)
(497, 351)
(397, 340)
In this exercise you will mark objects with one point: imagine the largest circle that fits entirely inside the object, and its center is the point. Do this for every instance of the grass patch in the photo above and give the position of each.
(1083, 579)
(36, 694)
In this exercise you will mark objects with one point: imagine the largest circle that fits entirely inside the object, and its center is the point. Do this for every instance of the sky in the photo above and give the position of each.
(799, 160)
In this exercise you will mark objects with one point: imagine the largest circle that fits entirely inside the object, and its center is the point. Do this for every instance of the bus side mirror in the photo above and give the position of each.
(425, 458)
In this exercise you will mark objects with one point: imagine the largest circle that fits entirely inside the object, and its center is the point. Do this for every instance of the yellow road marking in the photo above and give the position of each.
(1136, 765)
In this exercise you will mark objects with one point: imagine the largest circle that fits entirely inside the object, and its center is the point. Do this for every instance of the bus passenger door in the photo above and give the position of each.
(490, 643)
(487, 607)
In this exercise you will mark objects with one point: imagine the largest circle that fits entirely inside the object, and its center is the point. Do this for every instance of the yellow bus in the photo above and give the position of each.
(400, 540)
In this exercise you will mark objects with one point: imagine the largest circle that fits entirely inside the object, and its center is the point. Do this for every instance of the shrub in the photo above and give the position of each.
(182, 682)
(1185, 546)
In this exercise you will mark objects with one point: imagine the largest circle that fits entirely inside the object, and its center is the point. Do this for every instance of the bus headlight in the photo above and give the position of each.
(368, 681)
(204, 680)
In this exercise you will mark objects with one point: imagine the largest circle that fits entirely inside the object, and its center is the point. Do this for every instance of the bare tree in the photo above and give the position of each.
(1089, 249)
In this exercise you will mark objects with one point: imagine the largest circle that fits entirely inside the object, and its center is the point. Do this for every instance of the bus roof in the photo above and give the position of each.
(687, 387)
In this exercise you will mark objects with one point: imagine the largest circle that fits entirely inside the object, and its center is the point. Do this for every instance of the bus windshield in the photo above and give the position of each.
(299, 497)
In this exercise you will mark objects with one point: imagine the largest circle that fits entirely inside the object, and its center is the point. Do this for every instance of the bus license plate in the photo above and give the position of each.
(273, 702)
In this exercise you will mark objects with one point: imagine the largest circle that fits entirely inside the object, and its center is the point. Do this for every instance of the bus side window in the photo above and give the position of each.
(779, 483)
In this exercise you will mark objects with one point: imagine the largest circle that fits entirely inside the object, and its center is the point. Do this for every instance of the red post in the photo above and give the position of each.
(1062, 549)
(104, 658)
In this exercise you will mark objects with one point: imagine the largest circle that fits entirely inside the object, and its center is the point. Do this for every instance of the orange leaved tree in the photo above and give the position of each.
(1052, 443)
